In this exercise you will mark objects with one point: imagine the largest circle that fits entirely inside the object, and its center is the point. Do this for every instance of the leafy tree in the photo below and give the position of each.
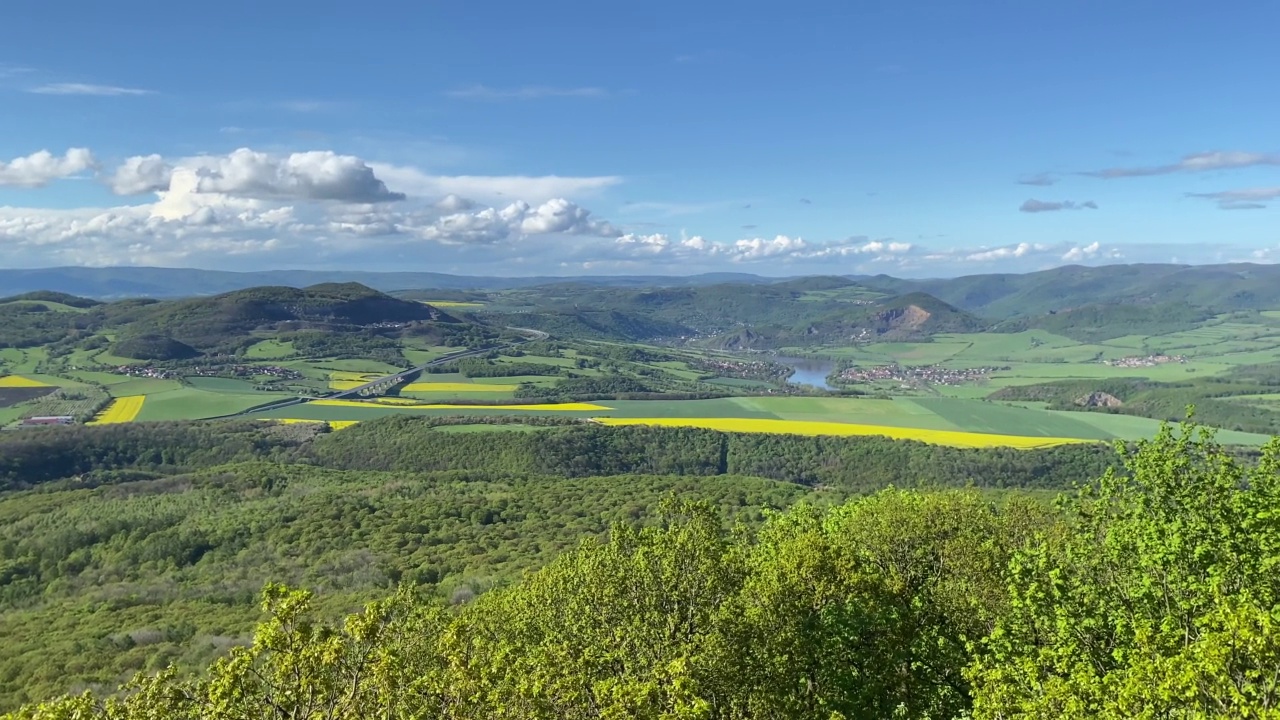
(1158, 602)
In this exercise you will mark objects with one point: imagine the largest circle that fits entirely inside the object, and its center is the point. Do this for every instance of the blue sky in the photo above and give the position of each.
(912, 138)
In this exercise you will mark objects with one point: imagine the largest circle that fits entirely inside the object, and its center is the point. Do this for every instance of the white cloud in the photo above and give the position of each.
(1003, 253)
(453, 203)
(1078, 254)
(492, 188)
(1196, 162)
(141, 174)
(40, 168)
(491, 225)
(315, 175)
(527, 92)
(88, 89)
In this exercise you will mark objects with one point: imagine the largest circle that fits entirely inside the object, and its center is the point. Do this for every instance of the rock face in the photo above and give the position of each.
(1099, 399)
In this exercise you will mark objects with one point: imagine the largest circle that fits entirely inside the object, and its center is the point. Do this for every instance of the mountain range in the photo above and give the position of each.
(1218, 287)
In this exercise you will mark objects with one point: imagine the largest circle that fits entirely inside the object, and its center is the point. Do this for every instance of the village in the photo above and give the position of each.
(927, 374)
(230, 370)
(1146, 360)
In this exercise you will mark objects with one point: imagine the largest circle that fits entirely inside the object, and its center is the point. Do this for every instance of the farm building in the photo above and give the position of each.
(50, 420)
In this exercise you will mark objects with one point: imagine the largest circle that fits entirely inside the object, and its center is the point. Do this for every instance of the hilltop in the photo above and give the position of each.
(177, 329)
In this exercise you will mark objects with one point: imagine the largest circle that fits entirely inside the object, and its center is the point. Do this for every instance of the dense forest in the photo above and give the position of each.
(406, 443)
(1146, 593)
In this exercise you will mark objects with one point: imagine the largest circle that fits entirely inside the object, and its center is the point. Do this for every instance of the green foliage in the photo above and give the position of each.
(852, 464)
(151, 346)
(1098, 322)
(823, 616)
(483, 368)
(1157, 600)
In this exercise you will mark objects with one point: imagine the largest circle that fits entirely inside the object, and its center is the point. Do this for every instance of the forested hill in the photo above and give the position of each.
(735, 315)
(174, 329)
(1241, 286)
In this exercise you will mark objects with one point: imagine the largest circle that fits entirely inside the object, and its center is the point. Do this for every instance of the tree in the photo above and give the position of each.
(1159, 601)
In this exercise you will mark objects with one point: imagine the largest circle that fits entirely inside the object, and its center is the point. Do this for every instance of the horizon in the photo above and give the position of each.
(916, 140)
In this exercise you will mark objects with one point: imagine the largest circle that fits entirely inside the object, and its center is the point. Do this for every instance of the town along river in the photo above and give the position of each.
(808, 371)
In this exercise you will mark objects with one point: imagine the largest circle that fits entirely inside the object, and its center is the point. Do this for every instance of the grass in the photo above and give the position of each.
(800, 427)
(222, 384)
(121, 410)
(269, 350)
(455, 387)
(190, 403)
(17, 381)
(143, 386)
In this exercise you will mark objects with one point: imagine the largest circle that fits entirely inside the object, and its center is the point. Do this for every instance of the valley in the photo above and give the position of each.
(841, 353)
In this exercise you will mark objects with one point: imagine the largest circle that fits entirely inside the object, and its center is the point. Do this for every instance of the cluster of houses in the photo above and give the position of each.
(235, 370)
(1146, 360)
(930, 374)
(750, 369)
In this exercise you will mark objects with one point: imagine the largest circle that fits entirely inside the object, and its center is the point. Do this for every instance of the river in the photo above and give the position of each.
(808, 371)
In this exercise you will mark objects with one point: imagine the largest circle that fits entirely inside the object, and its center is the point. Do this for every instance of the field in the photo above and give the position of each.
(121, 410)
(949, 421)
(17, 381)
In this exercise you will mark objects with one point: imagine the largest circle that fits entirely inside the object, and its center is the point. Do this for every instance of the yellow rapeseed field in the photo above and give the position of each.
(564, 407)
(121, 410)
(334, 424)
(954, 438)
(451, 304)
(344, 375)
(17, 381)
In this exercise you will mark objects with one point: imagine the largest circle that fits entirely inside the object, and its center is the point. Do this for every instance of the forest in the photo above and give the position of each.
(1149, 591)
(417, 444)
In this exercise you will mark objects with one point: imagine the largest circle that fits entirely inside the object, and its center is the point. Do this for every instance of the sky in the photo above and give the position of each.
(917, 139)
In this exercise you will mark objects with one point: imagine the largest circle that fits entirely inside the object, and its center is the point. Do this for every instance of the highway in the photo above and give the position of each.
(389, 381)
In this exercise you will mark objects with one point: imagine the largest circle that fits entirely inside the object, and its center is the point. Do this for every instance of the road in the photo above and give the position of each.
(397, 378)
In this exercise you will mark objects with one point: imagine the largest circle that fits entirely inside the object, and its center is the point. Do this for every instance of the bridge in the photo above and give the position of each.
(385, 383)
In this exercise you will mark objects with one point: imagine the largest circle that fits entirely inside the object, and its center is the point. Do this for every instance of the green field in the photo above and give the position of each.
(269, 350)
(221, 384)
(192, 403)
(929, 414)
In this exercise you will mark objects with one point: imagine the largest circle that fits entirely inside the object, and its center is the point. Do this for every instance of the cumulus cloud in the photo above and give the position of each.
(781, 248)
(453, 203)
(1038, 206)
(527, 92)
(40, 168)
(1196, 162)
(141, 174)
(1247, 199)
(519, 219)
(315, 175)
(87, 89)
(1079, 254)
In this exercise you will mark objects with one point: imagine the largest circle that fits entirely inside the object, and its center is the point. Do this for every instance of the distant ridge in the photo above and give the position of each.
(122, 282)
(1219, 287)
